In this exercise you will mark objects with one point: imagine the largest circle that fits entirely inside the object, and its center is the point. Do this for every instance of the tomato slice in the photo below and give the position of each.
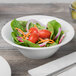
(44, 33)
(33, 30)
(34, 37)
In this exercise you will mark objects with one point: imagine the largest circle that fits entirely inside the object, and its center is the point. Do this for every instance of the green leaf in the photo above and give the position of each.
(16, 40)
(23, 23)
(50, 28)
(31, 25)
(31, 44)
(55, 25)
(16, 24)
(27, 43)
(21, 43)
(62, 32)
(58, 39)
(39, 26)
(48, 44)
(14, 36)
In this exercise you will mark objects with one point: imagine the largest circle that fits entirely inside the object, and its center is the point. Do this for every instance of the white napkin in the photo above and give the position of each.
(53, 66)
(70, 72)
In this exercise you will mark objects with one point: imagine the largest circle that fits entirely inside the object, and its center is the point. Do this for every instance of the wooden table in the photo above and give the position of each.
(20, 64)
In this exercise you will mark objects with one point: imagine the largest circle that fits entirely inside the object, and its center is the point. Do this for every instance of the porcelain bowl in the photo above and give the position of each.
(44, 52)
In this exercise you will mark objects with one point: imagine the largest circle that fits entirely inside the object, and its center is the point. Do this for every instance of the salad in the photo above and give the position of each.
(33, 33)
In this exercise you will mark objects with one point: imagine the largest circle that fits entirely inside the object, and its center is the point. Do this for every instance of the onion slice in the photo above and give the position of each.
(19, 39)
(62, 37)
(34, 22)
(59, 31)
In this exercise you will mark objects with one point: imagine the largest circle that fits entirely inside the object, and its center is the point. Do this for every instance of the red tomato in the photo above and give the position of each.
(44, 33)
(33, 30)
(33, 37)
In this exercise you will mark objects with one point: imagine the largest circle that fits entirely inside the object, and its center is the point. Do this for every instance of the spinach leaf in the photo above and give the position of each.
(23, 23)
(31, 25)
(14, 37)
(16, 24)
(27, 43)
(55, 25)
(39, 26)
(21, 43)
(48, 44)
(58, 39)
(50, 28)
(31, 44)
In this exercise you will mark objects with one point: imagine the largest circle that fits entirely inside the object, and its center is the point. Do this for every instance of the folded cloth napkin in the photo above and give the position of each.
(70, 72)
(53, 66)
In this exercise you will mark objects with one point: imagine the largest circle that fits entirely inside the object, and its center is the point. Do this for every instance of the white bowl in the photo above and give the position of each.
(39, 53)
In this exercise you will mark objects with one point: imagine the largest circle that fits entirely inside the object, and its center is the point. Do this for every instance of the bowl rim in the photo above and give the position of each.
(37, 48)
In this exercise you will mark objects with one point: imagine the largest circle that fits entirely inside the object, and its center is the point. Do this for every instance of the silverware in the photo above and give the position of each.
(62, 70)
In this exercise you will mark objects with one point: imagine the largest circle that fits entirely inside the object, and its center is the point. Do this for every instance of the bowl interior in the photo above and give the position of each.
(69, 31)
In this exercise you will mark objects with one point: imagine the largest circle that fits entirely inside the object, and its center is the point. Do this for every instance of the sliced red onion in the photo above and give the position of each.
(59, 31)
(34, 22)
(62, 37)
(43, 44)
(19, 39)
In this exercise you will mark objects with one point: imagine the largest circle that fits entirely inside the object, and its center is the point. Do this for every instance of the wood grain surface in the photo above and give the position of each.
(20, 64)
